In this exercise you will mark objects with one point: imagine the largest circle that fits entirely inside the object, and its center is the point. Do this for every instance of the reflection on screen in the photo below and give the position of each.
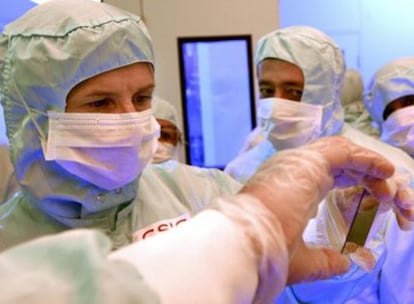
(218, 98)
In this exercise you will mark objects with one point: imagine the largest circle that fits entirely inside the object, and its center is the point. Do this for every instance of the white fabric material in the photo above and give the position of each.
(178, 189)
(102, 148)
(289, 124)
(323, 68)
(70, 267)
(163, 109)
(353, 103)
(353, 87)
(392, 81)
(322, 65)
(215, 240)
(41, 60)
(398, 129)
(165, 151)
(397, 279)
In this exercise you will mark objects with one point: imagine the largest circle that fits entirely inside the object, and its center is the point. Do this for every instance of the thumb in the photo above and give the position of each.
(310, 264)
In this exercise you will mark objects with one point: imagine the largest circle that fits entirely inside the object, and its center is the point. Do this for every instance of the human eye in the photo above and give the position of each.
(266, 91)
(89, 105)
(166, 135)
(99, 103)
(295, 94)
(170, 135)
(142, 101)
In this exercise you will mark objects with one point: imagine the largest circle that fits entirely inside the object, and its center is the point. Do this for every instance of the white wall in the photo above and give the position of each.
(168, 20)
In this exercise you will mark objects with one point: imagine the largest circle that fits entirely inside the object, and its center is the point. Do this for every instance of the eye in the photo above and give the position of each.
(170, 135)
(142, 101)
(99, 103)
(295, 94)
(166, 135)
(266, 91)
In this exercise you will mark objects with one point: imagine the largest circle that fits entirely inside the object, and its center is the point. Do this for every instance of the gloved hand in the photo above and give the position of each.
(402, 203)
(301, 178)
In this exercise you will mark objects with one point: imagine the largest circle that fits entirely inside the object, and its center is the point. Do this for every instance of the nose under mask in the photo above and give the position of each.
(289, 124)
(398, 130)
(107, 150)
(165, 151)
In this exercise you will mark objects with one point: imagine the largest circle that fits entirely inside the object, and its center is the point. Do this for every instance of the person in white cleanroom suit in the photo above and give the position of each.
(316, 81)
(74, 177)
(300, 75)
(170, 134)
(239, 248)
(355, 113)
(390, 102)
(76, 90)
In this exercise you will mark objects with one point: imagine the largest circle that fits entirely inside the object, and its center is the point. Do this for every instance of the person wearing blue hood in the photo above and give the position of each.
(77, 147)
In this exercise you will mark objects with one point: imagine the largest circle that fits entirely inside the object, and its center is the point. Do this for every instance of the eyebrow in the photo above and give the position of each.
(98, 90)
(286, 83)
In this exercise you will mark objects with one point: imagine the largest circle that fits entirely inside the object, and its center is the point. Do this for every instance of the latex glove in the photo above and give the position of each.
(341, 204)
(402, 202)
(302, 178)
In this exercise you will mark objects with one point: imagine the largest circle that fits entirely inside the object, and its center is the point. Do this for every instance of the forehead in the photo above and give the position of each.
(279, 71)
(141, 74)
(166, 124)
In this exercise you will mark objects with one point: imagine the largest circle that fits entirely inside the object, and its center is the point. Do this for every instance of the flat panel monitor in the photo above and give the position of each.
(217, 89)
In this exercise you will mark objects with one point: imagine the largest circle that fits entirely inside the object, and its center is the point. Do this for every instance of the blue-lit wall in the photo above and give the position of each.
(371, 32)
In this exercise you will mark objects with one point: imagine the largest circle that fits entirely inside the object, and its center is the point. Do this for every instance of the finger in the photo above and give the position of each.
(344, 154)
(405, 218)
(364, 258)
(383, 190)
(404, 198)
(404, 224)
(311, 264)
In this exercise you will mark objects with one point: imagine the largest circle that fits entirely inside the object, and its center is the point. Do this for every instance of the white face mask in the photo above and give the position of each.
(398, 129)
(165, 151)
(289, 124)
(108, 150)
